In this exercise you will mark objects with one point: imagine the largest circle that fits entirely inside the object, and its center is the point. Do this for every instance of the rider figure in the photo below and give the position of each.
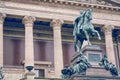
(84, 15)
(81, 21)
(83, 28)
(78, 22)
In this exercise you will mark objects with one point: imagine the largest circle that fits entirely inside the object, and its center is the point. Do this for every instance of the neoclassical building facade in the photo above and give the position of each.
(39, 33)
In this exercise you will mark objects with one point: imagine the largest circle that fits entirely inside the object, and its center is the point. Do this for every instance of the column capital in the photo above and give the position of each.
(108, 28)
(56, 23)
(2, 16)
(28, 20)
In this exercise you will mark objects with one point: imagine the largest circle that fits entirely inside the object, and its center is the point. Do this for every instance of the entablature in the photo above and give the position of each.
(99, 4)
(49, 11)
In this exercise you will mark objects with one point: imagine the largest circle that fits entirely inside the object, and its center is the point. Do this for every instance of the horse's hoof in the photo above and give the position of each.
(90, 44)
(99, 38)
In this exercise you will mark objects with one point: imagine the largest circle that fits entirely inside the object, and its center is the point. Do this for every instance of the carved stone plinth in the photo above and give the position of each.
(93, 53)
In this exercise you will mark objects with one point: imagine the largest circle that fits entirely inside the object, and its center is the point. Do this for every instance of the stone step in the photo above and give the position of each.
(93, 77)
(47, 79)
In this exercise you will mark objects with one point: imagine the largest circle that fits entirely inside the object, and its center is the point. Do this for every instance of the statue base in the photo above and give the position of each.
(94, 55)
(93, 77)
(98, 71)
(92, 52)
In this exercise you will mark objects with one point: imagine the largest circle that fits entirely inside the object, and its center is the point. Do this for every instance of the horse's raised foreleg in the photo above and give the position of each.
(87, 36)
(75, 44)
(97, 34)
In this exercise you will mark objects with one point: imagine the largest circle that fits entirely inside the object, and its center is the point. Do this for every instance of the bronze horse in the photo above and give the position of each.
(83, 28)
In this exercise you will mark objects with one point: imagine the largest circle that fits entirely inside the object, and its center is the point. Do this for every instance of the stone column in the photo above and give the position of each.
(58, 54)
(29, 48)
(119, 53)
(2, 16)
(109, 43)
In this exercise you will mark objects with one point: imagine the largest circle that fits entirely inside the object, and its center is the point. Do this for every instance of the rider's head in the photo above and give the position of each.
(89, 9)
(81, 12)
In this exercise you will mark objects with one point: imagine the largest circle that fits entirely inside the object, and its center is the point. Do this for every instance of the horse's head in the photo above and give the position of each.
(81, 12)
(89, 14)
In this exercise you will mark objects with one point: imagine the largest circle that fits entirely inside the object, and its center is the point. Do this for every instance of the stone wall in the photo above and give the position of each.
(13, 73)
(13, 76)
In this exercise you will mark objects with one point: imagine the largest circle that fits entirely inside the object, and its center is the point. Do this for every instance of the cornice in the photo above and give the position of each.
(48, 11)
(83, 4)
(97, 5)
(113, 2)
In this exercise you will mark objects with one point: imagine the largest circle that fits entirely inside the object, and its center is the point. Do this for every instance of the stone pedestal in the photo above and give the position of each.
(96, 72)
(30, 75)
(93, 77)
(93, 53)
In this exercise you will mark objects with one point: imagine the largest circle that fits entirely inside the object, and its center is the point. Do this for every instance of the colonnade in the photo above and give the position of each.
(56, 24)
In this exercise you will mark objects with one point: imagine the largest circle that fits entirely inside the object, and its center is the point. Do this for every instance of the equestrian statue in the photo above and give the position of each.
(83, 28)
